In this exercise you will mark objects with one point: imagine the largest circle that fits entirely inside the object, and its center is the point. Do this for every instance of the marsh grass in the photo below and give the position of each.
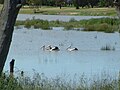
(41, 82)
(107, 25)
(37, 23)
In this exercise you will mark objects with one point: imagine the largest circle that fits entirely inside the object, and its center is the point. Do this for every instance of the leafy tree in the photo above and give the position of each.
(84, 3)
(1, 1)
(103, 3)
(76, 3)
(51, 2)
(60, 3)
(93, 2)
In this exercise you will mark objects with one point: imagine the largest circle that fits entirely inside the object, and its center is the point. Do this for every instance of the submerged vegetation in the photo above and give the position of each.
(41, 82)
(108, 25)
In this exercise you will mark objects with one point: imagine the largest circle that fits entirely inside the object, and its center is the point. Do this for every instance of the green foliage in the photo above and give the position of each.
(41, 82)
(68, 27)
(72, 20)
(1, 1)
(37, 23)
(108, 25)
(9, 83)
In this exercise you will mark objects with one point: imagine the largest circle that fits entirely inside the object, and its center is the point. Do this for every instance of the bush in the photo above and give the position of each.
(72, 20)
(68, 27)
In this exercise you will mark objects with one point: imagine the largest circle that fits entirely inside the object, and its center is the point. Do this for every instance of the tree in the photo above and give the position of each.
(93, 2)
(103, 3)
(7, 21)
(60, 3)
(83, 3)
(76, 3)
(1, 1)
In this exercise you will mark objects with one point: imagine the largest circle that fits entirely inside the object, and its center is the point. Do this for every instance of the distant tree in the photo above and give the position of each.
(34, 2)
(110, 3)
(44, 2)
(29, 2)
(51, 3)
(1, 1)
(93, 3)
(60, 3)
(37, 2)
(76, 3)
(69, 2)
(103, 3)
(83, 3)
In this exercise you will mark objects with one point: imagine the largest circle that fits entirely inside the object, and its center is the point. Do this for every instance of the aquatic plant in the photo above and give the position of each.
(72, 20)
(68, 27)
(107, 25)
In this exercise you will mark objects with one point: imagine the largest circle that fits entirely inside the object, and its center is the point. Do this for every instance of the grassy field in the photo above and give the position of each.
(45, 10)
(70, 11)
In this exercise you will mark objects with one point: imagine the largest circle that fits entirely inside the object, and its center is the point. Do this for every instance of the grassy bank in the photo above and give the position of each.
(41, 82)
(108, 25)
(45, 10)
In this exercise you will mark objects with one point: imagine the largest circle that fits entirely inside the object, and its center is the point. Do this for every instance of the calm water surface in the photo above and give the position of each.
(54, 17)
(90, 60)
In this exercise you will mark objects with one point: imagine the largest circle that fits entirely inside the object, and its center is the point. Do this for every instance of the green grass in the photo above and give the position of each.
(41, 82)
(45, 10)
(107, 25)
(43, 24)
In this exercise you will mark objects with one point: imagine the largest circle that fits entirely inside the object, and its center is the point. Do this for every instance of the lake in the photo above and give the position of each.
(89, 59)
(54, 17)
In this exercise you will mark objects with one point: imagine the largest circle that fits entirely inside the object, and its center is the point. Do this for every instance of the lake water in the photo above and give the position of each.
(54, 17)
(90, 59)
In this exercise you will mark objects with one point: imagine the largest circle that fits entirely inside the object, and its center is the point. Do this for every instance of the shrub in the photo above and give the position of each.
(72, 20)
(68, 27)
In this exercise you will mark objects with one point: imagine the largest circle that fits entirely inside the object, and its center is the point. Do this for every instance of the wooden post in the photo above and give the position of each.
(7, 20)
(12, 66)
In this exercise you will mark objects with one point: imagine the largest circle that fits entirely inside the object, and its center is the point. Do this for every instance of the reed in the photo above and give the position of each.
(41, 82)
(107, 25)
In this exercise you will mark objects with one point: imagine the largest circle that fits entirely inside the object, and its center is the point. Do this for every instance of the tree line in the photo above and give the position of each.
(70, 3)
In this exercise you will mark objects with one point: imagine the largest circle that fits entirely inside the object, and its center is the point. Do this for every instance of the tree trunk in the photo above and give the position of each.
(7, 20)
(77, 4)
